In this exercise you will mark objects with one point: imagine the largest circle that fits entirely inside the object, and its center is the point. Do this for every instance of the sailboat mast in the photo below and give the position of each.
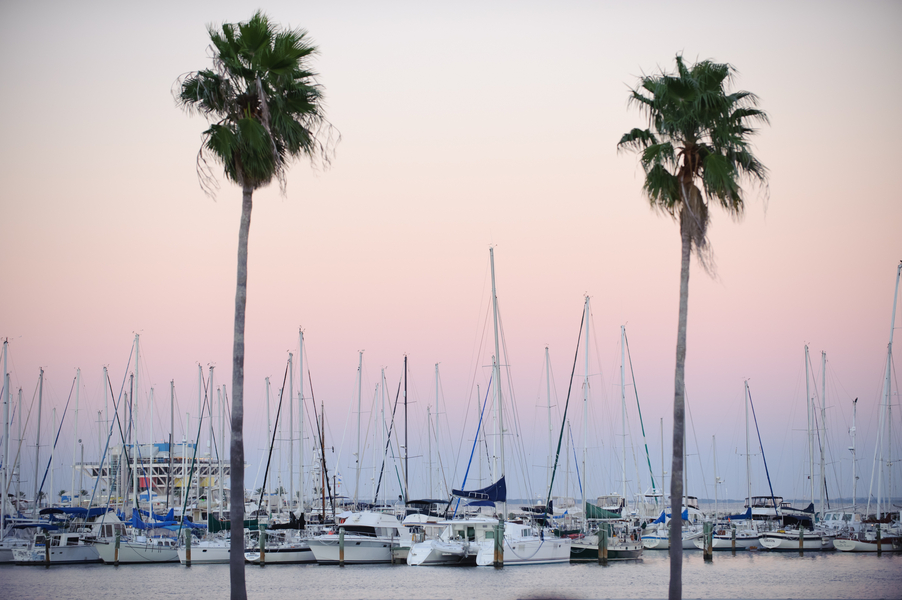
(823, 429)
(301, 417)
(854, 459)
(550, 428)
(382, 427)
(268, 437)
(887, 385)
(171, 438)
(222, 446)
(6, 400)
(716, 478)
(586, 421)
(496, 381)
(810, 436)
(623, 403)
(135, 420)
(77, 389)
(37, 443)
(748, 453)
(359, 396)
(406, 439)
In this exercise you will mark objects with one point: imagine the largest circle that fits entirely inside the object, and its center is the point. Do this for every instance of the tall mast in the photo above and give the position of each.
(550, 428)
(854, 459)
(359, 397)
(382, 411)
(586, 421)
(135, 420)
(663, 472)
(221, 396)
(269, 440)
(716, 478)
(810, 433)
(6, 400)
(429, 446)
(301, 417)
(887, 385)
(77, 389)
(290, 429)
(496, 380)
(150, 467)
(748, 454)
(171, 438)
(406, 442)
(52, 452)
(823, 429)
(210, 444)
(200, 408)
(431, 490)
(37, 443)
(623, 404)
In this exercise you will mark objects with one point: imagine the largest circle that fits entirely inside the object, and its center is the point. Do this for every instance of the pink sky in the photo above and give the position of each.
(461, 127)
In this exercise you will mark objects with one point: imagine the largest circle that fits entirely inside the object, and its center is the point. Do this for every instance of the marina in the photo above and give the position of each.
(745, 575)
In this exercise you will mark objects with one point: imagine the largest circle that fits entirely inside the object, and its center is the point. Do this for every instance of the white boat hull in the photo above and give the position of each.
(283, 555)
(59, 555)
(152, 551)
(526, 551)
(357, 549)
(744, 541)
(892, 544)
(437, 552)
(787, 542)
(205, 554)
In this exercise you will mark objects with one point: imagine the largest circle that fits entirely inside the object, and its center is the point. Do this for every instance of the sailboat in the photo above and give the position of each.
(880, 534)
(519, 543)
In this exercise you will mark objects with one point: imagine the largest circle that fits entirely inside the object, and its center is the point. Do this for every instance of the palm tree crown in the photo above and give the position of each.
(262, 100)
(697, 136)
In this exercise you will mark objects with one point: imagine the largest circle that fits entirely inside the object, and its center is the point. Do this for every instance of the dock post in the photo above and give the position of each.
(499, 545)
(733, 539)
(708, 529)
(879, 541)
(262, 530)
(341, 546)
(603, 544)
(801, 540)
(188, 547)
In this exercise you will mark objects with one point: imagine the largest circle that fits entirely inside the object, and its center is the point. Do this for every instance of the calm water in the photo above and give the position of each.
(746, 575)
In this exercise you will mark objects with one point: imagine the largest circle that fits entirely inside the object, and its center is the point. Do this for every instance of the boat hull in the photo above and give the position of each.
(890, 544)
(289, 555)
(205, 554)
(788, 542)
(527, 551)
(587, 551)
(137, 552)
(65, 555)
(359, 550)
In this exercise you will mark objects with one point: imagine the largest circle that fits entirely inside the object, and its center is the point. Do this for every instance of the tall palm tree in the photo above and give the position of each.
(264, 108)
(695, 151)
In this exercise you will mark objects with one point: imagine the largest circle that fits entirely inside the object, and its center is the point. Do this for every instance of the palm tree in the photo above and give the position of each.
(264, 108)
(695, 151)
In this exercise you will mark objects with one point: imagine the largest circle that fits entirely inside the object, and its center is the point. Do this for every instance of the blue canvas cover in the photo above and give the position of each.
(497, 492)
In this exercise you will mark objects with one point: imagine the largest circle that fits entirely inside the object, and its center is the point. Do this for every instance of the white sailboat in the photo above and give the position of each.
(521, 543)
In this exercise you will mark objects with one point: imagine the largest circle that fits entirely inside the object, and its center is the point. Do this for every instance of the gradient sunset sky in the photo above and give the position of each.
(463, 125)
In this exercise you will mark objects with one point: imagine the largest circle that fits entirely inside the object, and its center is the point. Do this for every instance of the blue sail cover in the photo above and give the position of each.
(665, 515)
(497, 492)
(747, 515)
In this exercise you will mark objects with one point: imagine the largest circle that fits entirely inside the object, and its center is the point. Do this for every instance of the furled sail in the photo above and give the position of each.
(497, 492)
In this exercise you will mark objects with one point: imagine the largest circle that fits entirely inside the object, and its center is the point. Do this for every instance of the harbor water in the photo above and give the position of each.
(745, 575)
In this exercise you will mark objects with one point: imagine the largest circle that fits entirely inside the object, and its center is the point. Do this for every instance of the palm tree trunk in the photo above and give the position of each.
(679, 422)
(236, 494)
